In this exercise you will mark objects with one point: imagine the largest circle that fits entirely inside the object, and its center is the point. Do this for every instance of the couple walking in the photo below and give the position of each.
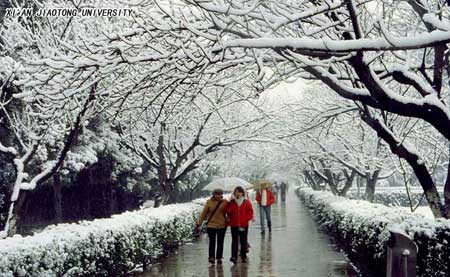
(236, 213)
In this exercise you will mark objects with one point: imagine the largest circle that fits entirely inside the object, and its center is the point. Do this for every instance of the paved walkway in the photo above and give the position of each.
(295, 248)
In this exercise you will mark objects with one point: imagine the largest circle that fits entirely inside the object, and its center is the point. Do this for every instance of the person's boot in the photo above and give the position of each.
(211, 260)
(233, 260)
(270, 227)
(219, 261)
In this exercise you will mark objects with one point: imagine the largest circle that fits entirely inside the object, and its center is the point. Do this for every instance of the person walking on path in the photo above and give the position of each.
(283, 188)
(253, 217)
(276, 190)
(265, 199)
(239, 212)
(216, 225)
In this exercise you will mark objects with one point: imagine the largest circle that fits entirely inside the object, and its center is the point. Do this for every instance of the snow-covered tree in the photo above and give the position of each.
(329, 142)
(386, 56)
(60, 73)
(175, 139)
(39, 138)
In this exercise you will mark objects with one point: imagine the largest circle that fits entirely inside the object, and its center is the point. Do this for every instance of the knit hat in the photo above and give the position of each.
(217, 191)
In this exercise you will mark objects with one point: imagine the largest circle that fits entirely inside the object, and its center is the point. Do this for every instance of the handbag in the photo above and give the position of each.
(202, 228)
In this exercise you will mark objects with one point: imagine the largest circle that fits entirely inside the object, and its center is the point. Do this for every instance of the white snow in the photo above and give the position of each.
(401, 218)
(64, 248)
(326, 45)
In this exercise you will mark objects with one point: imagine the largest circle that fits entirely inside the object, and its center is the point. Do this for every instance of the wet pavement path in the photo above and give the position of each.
(296, 247)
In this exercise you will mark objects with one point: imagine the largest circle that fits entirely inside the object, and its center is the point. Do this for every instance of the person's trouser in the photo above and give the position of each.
(219, 235)
(264, 212)
(236, 237)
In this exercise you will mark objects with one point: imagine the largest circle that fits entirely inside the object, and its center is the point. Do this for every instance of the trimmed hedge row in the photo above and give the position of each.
(103, 247)
(362, 230)
(394, 197)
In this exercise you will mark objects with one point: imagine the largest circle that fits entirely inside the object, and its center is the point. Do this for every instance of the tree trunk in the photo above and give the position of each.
(371, 181)
(170, 194)
(57, 198)
(359, 184)
(333, 188)
(370, 190)
(16, 214)
(330, 178)
(348, 182)
(311, 181)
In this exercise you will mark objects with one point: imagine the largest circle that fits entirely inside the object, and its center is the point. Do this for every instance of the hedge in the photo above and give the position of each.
(394, 196)
(362, 230)
(103, 247)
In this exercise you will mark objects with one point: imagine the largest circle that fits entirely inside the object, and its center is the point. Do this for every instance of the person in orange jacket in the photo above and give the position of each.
(265, 199)
(216, 227)
(239, 212)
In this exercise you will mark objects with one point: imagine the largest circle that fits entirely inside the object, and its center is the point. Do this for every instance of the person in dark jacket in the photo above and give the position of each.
(284, 189)
(216, 227)
(239, 212)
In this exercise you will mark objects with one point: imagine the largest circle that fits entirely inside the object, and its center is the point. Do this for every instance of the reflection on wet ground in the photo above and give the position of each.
(296, 247)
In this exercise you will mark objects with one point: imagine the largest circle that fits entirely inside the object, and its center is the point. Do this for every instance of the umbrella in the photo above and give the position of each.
(259, 184)
(227, 184)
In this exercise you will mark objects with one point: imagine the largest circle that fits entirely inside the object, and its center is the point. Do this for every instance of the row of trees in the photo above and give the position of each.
(163, 109)
(390, 58)
(335, 148)
(177, 81)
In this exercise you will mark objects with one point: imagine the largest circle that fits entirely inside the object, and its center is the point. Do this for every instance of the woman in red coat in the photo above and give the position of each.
(239, 212)
(265, 199)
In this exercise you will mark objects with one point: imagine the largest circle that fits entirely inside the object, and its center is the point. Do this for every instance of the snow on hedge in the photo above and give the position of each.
(394, 196)
(362, 229)
(102, 247)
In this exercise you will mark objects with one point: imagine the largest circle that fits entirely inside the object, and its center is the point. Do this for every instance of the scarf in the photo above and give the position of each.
(239, 201)
(264, 197)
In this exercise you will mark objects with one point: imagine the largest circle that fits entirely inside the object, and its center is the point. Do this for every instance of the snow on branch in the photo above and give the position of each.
(324, 45)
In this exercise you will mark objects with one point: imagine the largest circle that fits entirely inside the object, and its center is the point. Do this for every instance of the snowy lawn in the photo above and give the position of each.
(102, 247)
(362, 228)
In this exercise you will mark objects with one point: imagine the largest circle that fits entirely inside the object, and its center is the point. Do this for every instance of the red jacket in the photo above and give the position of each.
(239, 216)
(270, 197)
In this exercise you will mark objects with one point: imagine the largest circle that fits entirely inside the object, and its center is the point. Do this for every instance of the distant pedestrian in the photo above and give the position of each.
(276, 191)
(216, 225)
(283, 189)
(265, 199)
(239, 212)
